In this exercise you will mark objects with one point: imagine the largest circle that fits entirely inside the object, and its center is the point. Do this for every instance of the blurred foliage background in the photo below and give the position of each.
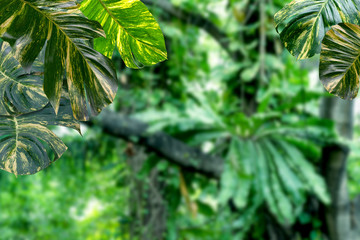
(229, 89)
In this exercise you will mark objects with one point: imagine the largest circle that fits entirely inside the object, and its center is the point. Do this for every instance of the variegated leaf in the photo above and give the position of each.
(340, 60)
(25, 140)
(28, 24)
(131, 28)
(19, 92)
(302, 24)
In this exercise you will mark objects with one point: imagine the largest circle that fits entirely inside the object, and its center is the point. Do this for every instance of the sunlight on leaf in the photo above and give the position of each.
(90, 75)
(131, 28)
(340, 60)
(302, 24)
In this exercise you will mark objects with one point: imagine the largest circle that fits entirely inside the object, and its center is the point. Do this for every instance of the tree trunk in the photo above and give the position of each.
(334, 161)
(147, 206)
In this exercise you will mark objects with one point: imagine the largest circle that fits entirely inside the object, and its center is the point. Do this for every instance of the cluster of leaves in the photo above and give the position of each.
(49, 56)
(330, 28)
(193, 97)
(269, 155)
(264, 160)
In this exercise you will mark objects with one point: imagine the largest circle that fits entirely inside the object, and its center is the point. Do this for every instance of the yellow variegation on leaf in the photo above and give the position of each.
(130, 27)
(30, 24)
(340, 60)
(26, 142)
(19, 92)
(302, 24)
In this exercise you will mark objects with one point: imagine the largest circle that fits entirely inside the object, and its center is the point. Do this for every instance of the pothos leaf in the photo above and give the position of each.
(340, 60)
(23, 139)
(28, 24)
(130, 27)
(19, 92)
(303, 23)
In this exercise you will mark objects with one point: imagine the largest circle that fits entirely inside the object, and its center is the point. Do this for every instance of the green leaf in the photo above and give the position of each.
(303, 24)
(263, 177)
(228, 183)
(250, 73)
(248, 217)
(339, 60)
(19, 92)
(288, 176)
(130, 27)
(242, 152)
(284, 210)
(23, 139)
(90, 75)
(313, 180)
(277, 201)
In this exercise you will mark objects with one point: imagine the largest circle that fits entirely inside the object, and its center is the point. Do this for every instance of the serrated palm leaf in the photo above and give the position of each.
(277, 201)
(303, 23)
(242, 152)
(90, 75)
(313, 181)
(340, 60)
(229, 184)
(24, 139)
(288, 176)
(263, 177)
(130, 27)
(19, 92)
(283, 207)
(237, 180)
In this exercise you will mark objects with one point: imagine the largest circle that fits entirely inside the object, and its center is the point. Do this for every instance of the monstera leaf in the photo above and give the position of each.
(340, 60)
(130, 27)
(28, 24)
(303, 23)
(24, 139)
(19, 92)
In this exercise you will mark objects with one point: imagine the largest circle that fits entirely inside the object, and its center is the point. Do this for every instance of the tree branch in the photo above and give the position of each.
(161, 143)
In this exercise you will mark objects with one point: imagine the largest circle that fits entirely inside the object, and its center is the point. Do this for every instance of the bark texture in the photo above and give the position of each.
(148, 209)
(189, 158)
(334, 162)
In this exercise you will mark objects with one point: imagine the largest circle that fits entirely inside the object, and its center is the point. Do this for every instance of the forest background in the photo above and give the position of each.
(230, 138)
